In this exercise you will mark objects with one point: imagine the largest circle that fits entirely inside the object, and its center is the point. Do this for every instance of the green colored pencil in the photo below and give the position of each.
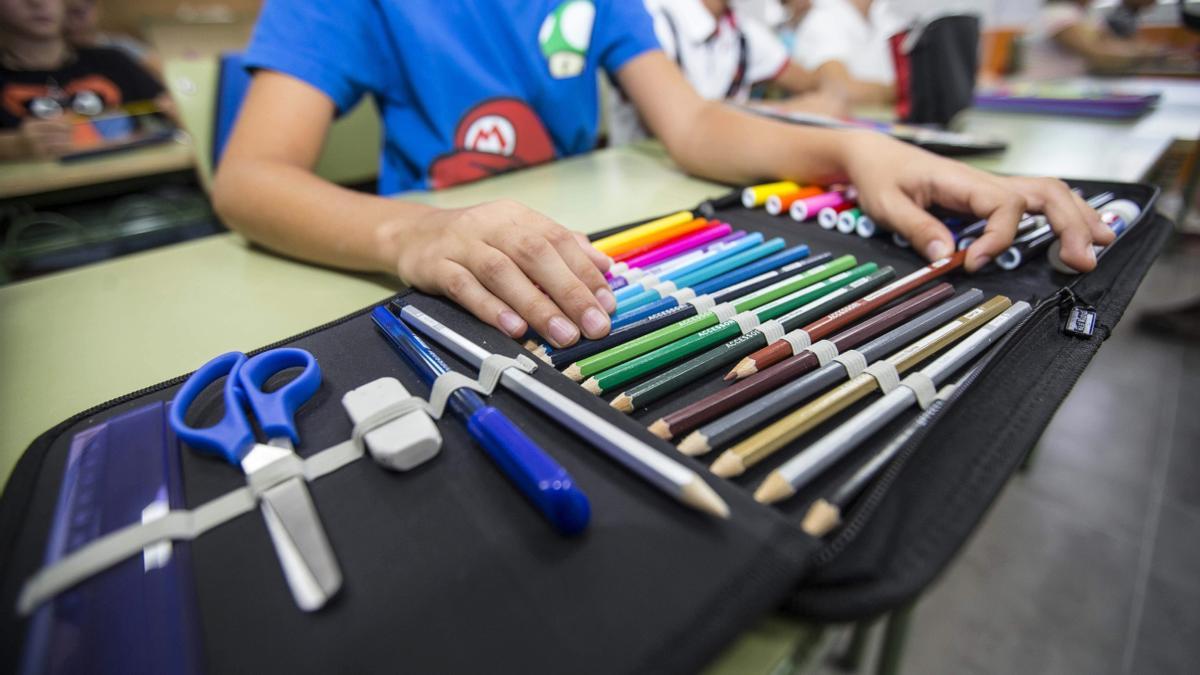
(726, 330)
(693, 369)
(668, 334)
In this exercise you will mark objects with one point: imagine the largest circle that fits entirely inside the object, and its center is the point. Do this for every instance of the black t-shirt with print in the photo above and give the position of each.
(93, 80)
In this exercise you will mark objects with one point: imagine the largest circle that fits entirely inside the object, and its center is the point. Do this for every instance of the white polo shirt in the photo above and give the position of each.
(834, 30)
(722, 57)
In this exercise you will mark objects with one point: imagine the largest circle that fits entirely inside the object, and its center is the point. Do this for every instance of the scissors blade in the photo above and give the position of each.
(300, 542)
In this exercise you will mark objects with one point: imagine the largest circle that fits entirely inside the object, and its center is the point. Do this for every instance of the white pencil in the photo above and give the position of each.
(660, 470)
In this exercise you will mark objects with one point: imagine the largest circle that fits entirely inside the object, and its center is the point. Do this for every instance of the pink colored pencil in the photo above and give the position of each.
(804, 209)
(682, 245)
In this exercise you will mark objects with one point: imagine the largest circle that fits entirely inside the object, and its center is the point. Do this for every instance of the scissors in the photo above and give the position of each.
(300, 543)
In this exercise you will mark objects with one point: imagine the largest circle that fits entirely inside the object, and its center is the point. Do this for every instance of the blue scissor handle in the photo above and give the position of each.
(276, 411)
(230, 438)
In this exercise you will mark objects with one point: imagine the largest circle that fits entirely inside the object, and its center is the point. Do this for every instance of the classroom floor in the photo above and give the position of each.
(1087, 563)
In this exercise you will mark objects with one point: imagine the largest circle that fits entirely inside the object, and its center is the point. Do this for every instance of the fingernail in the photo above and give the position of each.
(1091, 254)
(981, 260)
(595, 323)
(563, 332)
(511, 323)
(607, 300)
(937, 249)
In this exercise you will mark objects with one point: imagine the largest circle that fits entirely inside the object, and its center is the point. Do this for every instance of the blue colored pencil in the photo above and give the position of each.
(543, 482)
(702, 274)
(747, 242)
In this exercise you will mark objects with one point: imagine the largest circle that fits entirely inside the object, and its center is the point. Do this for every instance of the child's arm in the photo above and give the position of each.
(834, 76)
(487, 258)
(36, 139)
(1103, 52)
(895, 181)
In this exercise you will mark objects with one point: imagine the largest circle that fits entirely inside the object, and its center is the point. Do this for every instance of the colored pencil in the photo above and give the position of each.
(676, 281)
(848, 219)
(777, 204)
(766, 441)
(783, 348)
(560, 358)
(703, 230)
(865, 227)
(544, 483)
(680, 349)
(825, 514)
(713, 406)
(670, 249)
(777, 396)
(776, 291)
(803, 209)
(636, 274)
(808, 464)
(715, 255)
(661, 471)
(646, 232)
(755, 195)
(693, 369)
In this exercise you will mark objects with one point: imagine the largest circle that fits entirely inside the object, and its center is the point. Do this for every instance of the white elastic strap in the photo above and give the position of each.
(702, 304)
(885, 374)
(649, 281)
(772, 330)
(618, 269)
(853, 361)
(683, 295)
(799, 340)
(746, 321)
(922, 386)
(665, 288)
(632, 276)
(724, 312)
(825, 352)
(489, 375)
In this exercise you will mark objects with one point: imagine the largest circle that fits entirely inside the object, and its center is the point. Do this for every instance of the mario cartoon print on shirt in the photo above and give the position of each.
(496, 136)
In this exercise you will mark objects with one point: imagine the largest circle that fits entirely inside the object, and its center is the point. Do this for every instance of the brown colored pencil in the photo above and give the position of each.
(782, 349)
(712, 407)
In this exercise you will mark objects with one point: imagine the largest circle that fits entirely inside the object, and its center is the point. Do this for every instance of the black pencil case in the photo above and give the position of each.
(447, 569)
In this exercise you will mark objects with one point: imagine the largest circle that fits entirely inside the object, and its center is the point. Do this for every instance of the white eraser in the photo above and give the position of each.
(403, 443)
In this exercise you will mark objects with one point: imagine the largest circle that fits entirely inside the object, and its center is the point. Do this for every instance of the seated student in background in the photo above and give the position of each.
(82, 29)
(472, 88)
(845, 42)
(1064, 41)
(45, 82)
(723, 53)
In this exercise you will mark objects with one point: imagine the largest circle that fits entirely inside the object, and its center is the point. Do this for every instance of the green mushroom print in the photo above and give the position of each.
(565, 36)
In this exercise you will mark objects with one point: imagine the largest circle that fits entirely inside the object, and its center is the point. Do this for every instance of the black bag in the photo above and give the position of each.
(448, 570)
(936, 63)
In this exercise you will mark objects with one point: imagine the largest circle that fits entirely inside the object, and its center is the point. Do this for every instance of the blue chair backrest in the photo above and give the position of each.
(232, 83)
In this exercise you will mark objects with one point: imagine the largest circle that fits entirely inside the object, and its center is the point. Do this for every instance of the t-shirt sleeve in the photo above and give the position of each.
(623, 30)
(766, 55)
(337, 47)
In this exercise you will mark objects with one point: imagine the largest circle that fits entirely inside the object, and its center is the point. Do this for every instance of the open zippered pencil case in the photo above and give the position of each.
(447, 569)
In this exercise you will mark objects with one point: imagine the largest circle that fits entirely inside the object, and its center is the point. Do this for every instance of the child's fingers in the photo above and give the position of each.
(1101, 233)
(502, 276)
(601, 261)
(541, 262)
(926, 233)
(462, 287)
(1072, 225)
(1000, 205)
(578, 261)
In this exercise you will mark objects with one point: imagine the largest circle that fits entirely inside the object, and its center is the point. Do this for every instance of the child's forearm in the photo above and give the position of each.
(13, 146)
(291, 210)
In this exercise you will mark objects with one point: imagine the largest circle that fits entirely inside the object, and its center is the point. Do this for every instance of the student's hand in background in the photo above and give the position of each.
(896, 182)
(512, 267)
(46, 138)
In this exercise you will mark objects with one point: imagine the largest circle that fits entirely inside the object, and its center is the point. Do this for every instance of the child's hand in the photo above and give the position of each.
(46, 138)
(896, 182)
(508, 264)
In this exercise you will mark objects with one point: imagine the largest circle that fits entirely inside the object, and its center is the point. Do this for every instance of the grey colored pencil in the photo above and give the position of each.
(810, 462)
(724, 429)
(658, 469)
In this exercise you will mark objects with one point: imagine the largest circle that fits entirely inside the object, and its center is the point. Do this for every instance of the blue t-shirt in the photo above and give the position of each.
(466, 88)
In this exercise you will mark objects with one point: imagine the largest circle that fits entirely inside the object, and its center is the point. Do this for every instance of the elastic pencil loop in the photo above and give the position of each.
(724, 312)
(633, 275)
(801, 340)
(772, 330)
(665, 288)
(393, 411)
(649, 281)
(283, 469)
(703, 304)
(923, 387)
(885, 374)
(489, 375)
(853, 361)
(825, 352)
(746, 321)
(682, 295)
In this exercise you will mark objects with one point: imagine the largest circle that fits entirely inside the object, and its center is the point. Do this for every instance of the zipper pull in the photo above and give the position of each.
(1080, 315)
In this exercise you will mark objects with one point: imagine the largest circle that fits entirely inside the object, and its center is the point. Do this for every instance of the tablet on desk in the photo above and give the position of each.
(133, 126)
(1065, 99)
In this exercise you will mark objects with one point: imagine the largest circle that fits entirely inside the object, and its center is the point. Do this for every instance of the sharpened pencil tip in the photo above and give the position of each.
(574, 373)
(661, 429)
(624, 403)
(698, 494)
(541, 354)
(774, 489)
(592, 385)
(694, 445)
(821, 518)
(531, 345)
(744, 369)
(728, 465)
